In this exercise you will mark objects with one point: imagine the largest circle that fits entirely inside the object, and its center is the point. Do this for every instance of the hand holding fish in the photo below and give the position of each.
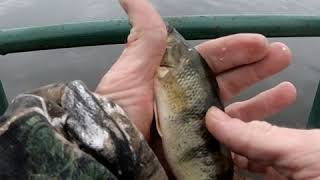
(280, 153)
(238, 61)
(65, 131)
(130, 81)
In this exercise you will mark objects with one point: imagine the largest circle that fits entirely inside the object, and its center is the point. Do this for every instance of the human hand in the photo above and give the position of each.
(130, 80)
(278, 153)
(239, 61)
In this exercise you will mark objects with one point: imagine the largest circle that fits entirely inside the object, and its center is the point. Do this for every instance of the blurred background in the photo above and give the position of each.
(24, 71)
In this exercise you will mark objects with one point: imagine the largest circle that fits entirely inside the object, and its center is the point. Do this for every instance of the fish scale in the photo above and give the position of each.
(185, 89)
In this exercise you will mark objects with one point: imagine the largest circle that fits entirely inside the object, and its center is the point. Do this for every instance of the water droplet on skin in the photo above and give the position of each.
(222, 54)
(284, 48)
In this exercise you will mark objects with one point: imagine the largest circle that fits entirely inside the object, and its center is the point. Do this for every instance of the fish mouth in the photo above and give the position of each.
(165, 66)
(169, 28)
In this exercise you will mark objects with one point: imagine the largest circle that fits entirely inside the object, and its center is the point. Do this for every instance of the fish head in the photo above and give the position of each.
(169, 92)
(175, 56)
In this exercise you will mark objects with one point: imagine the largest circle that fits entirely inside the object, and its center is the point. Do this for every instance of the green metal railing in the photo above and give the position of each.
(116, 31)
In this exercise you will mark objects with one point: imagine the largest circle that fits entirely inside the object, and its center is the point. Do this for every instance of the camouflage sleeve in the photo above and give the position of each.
(31, 148)
(64, 131)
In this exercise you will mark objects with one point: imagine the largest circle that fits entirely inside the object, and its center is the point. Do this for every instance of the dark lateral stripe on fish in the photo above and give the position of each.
(194, 110)
(195, 152)
(226, 175)
(200, 151)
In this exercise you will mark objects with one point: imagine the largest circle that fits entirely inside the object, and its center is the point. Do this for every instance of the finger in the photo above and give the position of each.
(144, 35)
(256, 140)
(144, 50)
(232, 82)
(264, 104)
(139, 11)
(130, 80)
(233, 51)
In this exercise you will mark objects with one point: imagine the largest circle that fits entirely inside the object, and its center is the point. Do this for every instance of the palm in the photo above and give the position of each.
(132, 92)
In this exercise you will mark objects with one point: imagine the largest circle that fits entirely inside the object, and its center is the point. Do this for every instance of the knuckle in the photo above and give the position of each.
(155, 34)
(255, 46)
(255, 74)
(257, 42)
(259, 127)
(257, 130)
(133, 36)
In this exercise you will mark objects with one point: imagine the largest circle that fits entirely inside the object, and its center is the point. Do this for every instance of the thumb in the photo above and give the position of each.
(143, 52)
(256, 140)
(129, 82)
(147, 40)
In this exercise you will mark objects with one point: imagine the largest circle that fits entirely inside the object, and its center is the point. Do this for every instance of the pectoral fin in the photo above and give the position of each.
(156, 116)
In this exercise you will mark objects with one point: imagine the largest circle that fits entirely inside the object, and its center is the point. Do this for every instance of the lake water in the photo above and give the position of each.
(24, 71)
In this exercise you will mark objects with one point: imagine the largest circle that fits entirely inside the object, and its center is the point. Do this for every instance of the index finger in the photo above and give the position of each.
(234, 51)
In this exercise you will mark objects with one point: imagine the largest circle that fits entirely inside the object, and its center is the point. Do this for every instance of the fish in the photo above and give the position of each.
(185, 88)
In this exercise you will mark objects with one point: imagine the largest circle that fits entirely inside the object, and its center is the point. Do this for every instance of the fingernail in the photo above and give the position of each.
(215, 120)
(215, 114)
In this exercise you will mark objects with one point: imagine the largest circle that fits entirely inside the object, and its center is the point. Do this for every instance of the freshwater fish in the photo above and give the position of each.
(185, 89)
